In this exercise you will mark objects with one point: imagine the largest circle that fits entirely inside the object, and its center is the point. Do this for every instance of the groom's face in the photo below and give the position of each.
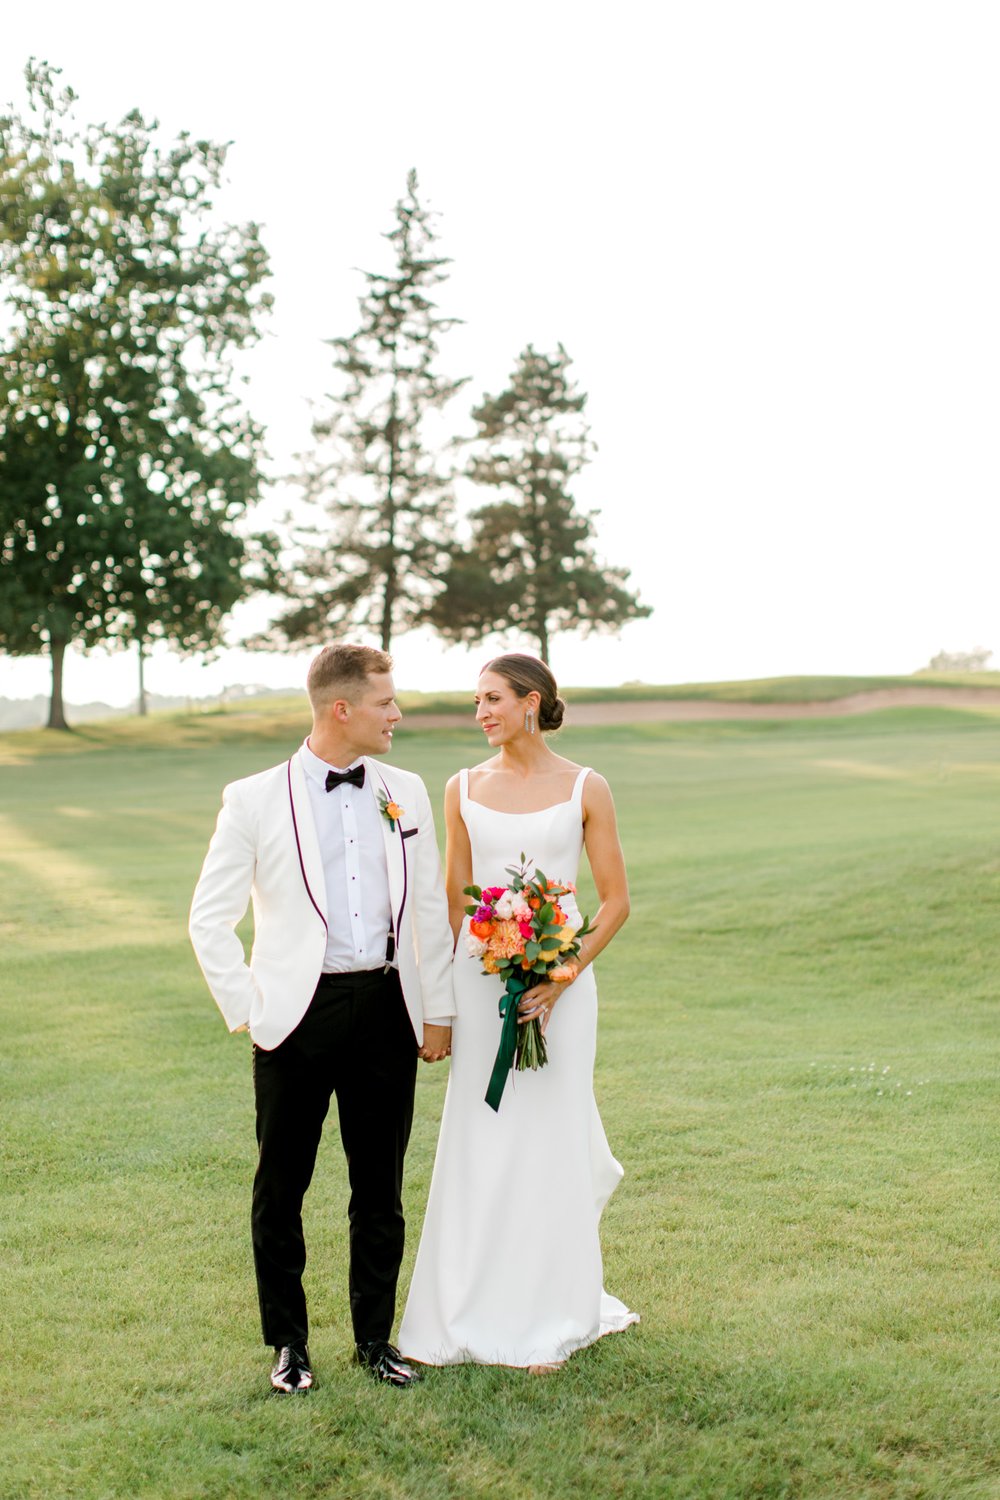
(373, 715)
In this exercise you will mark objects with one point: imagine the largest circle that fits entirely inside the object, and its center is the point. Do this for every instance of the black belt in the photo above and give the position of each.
(356, 976)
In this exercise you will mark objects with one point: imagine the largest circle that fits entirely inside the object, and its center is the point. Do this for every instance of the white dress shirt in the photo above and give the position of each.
(358, 909)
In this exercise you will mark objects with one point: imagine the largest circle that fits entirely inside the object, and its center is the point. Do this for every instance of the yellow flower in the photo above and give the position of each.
(566, 938)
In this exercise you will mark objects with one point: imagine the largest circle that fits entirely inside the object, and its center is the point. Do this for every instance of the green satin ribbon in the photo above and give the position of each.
(517, 982)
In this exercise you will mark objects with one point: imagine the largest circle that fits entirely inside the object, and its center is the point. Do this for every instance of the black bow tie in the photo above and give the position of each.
(336, 778)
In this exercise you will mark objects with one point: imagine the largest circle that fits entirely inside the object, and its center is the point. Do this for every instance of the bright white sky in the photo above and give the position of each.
(768, 234)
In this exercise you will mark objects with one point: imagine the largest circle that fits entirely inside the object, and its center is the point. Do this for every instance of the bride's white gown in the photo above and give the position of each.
(509, 1271)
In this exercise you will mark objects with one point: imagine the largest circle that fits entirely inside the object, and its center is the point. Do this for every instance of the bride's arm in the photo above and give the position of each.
(458, 857)
(607, 865)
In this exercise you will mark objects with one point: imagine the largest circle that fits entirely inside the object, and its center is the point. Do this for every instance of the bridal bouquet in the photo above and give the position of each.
(522, 934)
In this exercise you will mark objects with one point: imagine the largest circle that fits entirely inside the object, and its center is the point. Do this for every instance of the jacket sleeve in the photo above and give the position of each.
(220, 900)
(431, 928)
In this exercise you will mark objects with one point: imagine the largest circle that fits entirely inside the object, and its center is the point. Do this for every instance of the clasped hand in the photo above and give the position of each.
(437, 1044)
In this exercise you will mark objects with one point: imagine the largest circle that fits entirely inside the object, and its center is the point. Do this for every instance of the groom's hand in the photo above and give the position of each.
(437, 1043)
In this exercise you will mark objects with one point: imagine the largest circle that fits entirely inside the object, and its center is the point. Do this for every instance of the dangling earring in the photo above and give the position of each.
(529, 721)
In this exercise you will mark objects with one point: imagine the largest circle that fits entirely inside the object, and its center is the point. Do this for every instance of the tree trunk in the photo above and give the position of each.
(389, 594)
(541, 553)
(387, 616)
(143, 707)
(57, 717)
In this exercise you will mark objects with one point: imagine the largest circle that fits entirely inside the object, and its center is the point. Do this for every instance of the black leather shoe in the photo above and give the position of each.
(384, 1362)
(292, 1371)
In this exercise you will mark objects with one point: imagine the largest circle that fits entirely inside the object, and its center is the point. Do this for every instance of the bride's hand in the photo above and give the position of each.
(537, 1004)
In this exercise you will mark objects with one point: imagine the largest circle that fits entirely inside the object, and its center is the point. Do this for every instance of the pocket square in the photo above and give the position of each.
(407, 833)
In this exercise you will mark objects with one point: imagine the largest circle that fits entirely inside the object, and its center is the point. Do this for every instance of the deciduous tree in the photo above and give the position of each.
(126, 462)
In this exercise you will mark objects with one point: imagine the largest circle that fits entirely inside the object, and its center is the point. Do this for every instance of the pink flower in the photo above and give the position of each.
(526, 929)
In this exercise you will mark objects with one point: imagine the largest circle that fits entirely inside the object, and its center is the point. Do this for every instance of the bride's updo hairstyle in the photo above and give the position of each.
(526, 674)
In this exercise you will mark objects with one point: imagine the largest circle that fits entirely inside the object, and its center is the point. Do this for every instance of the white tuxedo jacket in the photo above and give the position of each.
(265, 848)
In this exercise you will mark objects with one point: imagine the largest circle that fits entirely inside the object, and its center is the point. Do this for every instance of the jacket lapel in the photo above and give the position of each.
(307, 842)
(395, 848)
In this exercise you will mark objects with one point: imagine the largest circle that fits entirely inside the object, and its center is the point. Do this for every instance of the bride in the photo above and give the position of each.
(509, 1270)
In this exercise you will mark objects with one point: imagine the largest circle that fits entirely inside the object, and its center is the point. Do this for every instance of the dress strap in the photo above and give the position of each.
(578, 785)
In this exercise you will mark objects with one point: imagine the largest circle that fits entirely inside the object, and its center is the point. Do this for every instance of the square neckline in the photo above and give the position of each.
(536, 812)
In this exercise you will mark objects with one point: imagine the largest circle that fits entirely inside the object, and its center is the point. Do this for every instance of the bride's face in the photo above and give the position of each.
(499, 711)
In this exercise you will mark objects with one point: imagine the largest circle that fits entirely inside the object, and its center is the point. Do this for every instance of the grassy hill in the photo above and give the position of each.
(277, 717)
(751, 690)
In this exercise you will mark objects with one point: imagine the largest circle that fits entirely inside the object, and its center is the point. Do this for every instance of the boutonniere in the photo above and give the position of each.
(391, 811)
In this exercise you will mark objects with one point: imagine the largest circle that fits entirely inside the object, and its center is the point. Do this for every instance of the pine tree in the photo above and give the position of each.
(530, 565)
(373, 469)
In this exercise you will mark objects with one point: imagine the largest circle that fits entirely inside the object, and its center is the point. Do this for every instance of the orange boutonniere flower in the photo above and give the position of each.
(391, 811)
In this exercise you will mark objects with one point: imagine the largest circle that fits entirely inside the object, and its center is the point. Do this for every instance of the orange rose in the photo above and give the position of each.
(481, 930)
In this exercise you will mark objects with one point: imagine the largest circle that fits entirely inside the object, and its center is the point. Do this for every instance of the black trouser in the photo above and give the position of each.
(355, 1040)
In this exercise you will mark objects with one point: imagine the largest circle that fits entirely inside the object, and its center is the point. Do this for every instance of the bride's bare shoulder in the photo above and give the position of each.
(493, 764)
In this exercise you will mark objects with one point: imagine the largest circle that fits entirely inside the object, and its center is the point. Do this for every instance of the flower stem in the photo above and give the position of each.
(531, 1049)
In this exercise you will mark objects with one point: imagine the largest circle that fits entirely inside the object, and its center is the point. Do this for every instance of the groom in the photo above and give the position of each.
(348, 983)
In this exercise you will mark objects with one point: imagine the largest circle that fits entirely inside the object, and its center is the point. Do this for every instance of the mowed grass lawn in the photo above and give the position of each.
(797, 1067)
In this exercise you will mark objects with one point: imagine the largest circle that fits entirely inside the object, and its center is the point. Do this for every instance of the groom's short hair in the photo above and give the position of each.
(339, 671)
